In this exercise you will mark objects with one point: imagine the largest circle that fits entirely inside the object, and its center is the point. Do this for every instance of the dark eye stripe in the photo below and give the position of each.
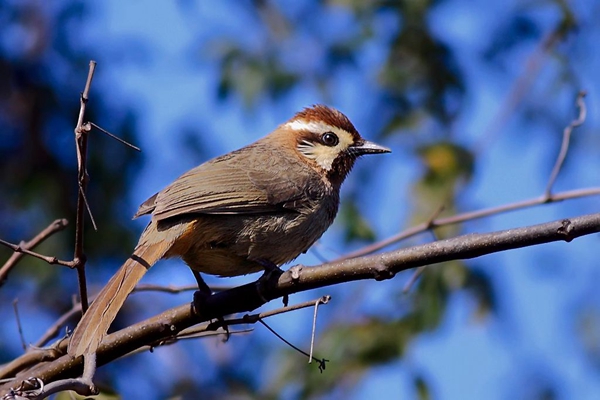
(329, 139)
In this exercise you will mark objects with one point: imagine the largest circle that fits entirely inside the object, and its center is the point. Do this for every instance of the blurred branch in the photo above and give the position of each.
(149, 287)
(523, 83)
(298, 279)
(56, 226)
(19, 326)
(419, 271)
(55, 328)
(564, 148)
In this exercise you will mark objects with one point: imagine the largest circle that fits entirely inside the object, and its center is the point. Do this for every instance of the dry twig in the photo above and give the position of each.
(55, 226)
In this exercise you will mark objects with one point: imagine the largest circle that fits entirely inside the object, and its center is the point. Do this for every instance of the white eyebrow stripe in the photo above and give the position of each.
(312, 126)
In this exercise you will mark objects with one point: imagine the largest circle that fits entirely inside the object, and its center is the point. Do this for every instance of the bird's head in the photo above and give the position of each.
(328, 141)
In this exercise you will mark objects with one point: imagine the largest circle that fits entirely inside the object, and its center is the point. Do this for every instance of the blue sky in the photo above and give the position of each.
(532, 338)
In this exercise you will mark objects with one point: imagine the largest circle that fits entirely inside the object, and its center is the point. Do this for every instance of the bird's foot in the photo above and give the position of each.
(268, 280)
(199, 301)
(200, 297)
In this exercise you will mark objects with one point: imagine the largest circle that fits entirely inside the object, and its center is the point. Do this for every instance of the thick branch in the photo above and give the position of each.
(298, 279)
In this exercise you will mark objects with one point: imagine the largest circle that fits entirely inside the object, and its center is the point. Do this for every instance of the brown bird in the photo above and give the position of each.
(259, 206)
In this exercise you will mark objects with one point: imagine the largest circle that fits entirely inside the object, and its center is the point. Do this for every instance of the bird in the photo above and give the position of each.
(251, 209)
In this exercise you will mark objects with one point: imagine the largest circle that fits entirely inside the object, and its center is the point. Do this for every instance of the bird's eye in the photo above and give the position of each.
(330, 139)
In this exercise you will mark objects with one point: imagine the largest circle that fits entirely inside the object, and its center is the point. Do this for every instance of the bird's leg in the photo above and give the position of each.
(202, 286)
(202, 293)
(269, 266)
(200, 298)
(268, 279)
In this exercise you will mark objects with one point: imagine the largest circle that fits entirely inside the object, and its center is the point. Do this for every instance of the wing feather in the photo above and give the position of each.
(236, 183)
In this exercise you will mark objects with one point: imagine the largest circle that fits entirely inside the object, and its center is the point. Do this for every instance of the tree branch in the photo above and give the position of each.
(81, 138)
(55, 226)
(298, 279)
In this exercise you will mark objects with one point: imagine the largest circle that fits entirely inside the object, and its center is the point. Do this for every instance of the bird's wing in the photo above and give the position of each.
(237, 183)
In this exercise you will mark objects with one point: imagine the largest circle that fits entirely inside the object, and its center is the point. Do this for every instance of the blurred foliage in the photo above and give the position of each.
(447, 168)
(356, 226)
(420, 86)
(423, 392)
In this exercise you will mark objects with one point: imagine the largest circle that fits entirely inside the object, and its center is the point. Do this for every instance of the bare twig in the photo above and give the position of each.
(50, 260)
(81, 138)
(118, 139)
(149, 287)
(320, 361)
(19, 326)
(55, 226)
(566, 140)
(322, 300)
(470, 216)
(85, 386)
(413, 278)
(419, 271)
(87, 205)
(55, 328)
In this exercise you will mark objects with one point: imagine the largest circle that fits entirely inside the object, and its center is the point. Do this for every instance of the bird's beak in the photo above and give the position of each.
(366, 147)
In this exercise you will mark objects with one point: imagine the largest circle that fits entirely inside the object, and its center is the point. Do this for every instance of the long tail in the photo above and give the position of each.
(95, 323)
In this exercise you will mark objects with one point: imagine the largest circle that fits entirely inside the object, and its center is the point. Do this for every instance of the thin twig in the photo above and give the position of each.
(55, 226)
(282, 310)
(419, 271)
(253, 318)
(322, 300)
(50, 260)
(149, 287)
(118, 139)
(87, 206)
(564, 148)
(413, 278)
(81, 136)
(55, 328)
(19, 326)
(470, 216)
(315, 251)
(320, 361)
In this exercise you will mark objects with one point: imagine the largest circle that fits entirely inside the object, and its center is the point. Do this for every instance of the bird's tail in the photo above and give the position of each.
(95, 323)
